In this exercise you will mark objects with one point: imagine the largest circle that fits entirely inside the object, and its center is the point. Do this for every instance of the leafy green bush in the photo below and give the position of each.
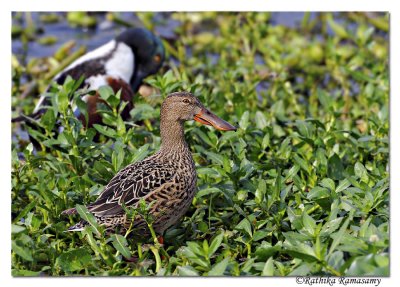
(300, 189)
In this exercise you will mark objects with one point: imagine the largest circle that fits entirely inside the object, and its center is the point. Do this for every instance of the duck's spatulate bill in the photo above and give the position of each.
(208, 118)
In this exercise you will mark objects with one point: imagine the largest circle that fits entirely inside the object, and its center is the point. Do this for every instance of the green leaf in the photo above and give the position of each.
(302, 163)
(360, 171)
(187, 271)
(261, 121)
(336, 260)
(325, 99)
(141, 153)
(293, 237)
(216, 158)
(207, 191)
(105, 92)
(196, 255)
(61, 99)
(205, 246)
(301, 251)
(195, 248)
(309, 223)
(279, 109)
(219, 268)
(268, 269)
(29, 148)
(22, 251)
(245, 226)
(266, 141)
(337, 28)
(260, 191)
(215, 243)
(25, 273)
(343, 185)
(107, 131)
(118, 157)
(143, 111)
(328, 183)
(227, 137)
(242, 195)
(203, 137)
(74, 260)
(266, 250)
(82, 106)
(120, 126)
(330, 226)
(321, 158)
(77, 83)
(211, 172)
(292, 172)
(100, 167)
(88, 217)
(366, 139)
(260, 234)
(90, 239)
(301, 270)
(367, 266)
(25, 211)
(48, 120)
(16, 228)
(244, 120)
(304, 128)
(248, 264)
(339, 235)
(335, 167)
(120, 243)
(382, 260)
(318, 192)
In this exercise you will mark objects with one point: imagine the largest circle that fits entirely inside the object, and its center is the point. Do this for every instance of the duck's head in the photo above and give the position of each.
(184, 106)
(148, 50)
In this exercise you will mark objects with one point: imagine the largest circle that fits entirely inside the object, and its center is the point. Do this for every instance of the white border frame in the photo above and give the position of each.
(194, 5)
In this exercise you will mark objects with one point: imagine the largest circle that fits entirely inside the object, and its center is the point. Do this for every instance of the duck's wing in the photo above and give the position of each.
(89, 66)
(132, 183)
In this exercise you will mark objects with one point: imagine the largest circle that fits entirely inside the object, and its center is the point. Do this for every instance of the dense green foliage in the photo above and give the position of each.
(301, 188)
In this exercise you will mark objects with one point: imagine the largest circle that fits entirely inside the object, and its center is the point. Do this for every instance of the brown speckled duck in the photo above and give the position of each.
(167, 178)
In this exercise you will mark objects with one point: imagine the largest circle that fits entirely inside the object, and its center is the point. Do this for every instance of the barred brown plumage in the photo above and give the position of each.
(166, 179)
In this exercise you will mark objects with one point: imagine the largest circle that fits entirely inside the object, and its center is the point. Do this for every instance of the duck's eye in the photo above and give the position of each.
(186, 101)
(157, 58)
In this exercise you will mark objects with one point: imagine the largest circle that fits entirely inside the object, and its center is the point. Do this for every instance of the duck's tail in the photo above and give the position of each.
(69, 211)
(18, 119)
(77, 227)
(28, 118)
(22, 118)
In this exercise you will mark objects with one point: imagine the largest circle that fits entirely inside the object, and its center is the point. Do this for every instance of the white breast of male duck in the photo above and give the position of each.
(116, 57)
(112, 60)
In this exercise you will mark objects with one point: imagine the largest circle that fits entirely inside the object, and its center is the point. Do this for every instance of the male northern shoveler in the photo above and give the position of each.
(122, 63)
(167, 178)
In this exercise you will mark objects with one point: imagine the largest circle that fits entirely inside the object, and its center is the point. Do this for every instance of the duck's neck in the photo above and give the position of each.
(172, 136)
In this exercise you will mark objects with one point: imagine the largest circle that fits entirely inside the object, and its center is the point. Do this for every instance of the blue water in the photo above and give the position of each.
(164, 26)
(106, 30)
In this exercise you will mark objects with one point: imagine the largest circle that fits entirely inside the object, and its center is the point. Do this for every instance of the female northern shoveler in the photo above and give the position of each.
(167, 178)
(121, 63)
